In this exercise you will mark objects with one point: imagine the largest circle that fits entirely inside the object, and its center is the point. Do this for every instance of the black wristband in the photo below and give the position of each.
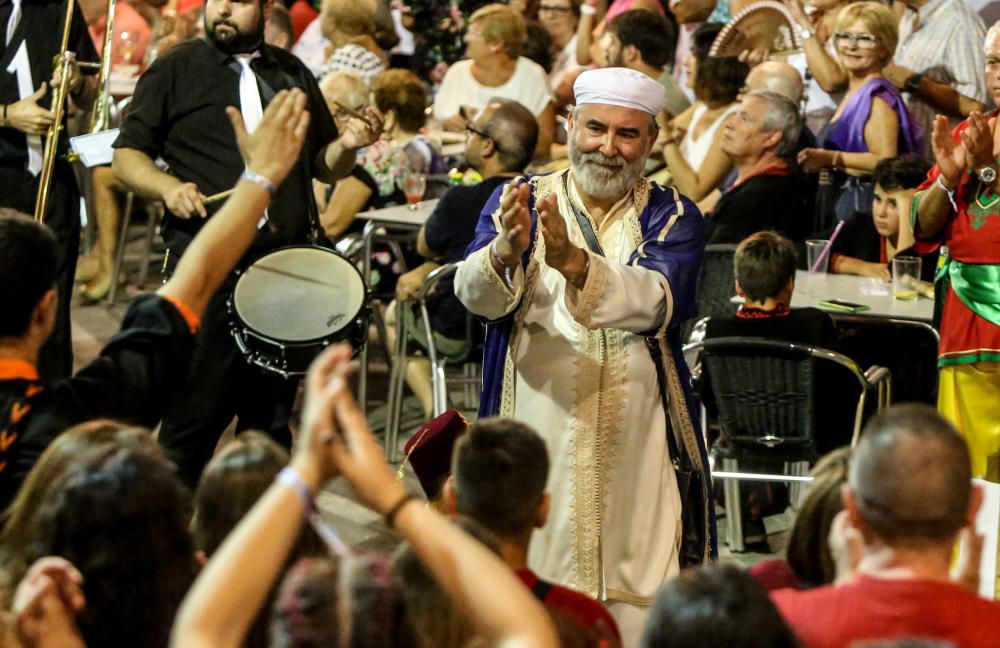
(912, 83)
(4, 122)
(390, 516)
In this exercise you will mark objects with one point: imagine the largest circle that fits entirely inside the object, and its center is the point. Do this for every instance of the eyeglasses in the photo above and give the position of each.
(861, 41)
(554, 9)
(469, 128)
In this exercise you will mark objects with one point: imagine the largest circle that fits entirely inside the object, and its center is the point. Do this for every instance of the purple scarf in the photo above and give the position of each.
(847, 133)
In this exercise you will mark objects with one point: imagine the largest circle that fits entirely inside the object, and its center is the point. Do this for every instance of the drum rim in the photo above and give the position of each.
(236, 321)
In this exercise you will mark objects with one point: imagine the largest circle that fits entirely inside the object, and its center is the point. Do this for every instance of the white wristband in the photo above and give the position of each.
(950, 192)
(587, 10)
(257, 178)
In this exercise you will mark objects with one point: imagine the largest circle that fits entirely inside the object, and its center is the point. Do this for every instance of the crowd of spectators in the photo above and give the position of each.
(850, 138)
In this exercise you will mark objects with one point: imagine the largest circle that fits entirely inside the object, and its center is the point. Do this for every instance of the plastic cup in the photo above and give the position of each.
(905, 269)
(414, 186)
(815, 247)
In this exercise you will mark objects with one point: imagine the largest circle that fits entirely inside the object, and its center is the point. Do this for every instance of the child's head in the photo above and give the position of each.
(764, 266)
(896, 180)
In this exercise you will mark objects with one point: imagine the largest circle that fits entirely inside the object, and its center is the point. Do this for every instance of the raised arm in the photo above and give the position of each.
(500, 608)
(489, 283)
(270, 153)
(224, 601)
(654, 290)
(967, 148)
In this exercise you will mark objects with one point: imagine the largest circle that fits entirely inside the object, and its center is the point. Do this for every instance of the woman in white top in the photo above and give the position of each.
(691, 142)
(494, 69)
(559, 17)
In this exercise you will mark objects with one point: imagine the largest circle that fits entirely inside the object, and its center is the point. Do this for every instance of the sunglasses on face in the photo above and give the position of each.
(861, 41)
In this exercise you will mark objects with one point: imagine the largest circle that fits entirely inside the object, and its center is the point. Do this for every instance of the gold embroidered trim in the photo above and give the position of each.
(586, 458)
(527, 288)
(485, 267)
(628, 597)
(582, 303)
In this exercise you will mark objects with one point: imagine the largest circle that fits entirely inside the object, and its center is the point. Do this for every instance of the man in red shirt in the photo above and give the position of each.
(909, 494)
(498, 477)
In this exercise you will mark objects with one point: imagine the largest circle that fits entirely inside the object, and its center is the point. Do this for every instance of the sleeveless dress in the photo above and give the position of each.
(695, 149)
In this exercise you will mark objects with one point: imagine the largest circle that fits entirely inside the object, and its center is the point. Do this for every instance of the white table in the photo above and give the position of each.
(401, 214)
(874, 293)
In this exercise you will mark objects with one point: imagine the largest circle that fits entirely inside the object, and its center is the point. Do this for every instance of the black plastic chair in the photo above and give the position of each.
(765, 392)
(715, 290)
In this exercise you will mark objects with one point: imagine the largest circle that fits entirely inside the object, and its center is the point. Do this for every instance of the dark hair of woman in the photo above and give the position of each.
(121, 517)
(719, 78)
(67, 450)
(808, 552)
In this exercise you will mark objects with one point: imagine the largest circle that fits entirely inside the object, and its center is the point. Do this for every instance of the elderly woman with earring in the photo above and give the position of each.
(872, 122)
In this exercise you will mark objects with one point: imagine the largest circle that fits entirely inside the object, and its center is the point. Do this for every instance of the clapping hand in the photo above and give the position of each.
(560, 253)
(949, 155)
(324, 384)
(515, 220)
(978, 140)
(46, 602)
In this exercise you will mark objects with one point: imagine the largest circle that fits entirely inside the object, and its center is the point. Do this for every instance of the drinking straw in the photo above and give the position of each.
(826, 248)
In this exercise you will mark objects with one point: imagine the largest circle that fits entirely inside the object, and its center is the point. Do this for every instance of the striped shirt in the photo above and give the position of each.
(944, 41)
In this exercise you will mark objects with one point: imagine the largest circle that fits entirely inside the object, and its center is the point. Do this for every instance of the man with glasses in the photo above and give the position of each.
(499, 145)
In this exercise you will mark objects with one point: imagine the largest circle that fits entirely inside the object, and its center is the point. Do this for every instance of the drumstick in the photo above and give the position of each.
(350, 111)
(285, 273)
(222, 195)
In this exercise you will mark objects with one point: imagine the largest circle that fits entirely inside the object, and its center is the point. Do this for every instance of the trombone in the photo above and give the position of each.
(64, 65)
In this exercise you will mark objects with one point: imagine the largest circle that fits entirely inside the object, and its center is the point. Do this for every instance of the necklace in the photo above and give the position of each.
(979, 210)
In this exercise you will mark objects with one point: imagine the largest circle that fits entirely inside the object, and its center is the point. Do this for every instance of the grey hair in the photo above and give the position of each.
(991, 32)
(783, 115)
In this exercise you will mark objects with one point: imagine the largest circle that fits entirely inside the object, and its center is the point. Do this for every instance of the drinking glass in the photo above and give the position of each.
(414, 186)
(905, 270)
(815, 247)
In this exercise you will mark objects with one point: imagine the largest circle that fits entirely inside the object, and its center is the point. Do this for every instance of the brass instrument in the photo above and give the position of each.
(64, 64)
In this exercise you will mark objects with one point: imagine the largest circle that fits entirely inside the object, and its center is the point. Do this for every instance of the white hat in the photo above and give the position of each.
(620, 87)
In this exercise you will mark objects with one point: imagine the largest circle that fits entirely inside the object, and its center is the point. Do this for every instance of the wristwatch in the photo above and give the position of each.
(987, 174)
(912, 83)
(805, 33)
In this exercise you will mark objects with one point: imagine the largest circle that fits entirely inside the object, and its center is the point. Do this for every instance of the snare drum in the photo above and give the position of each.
(295, 301)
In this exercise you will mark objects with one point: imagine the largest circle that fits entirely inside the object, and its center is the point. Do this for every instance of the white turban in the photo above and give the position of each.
(620, 87)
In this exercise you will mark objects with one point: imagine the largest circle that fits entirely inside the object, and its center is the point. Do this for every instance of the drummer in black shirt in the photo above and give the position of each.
(141, 367)
(30, 37)
(176, 114)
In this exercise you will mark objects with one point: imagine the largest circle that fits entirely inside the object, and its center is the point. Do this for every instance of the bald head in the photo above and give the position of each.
(777, 77)
(910, 476)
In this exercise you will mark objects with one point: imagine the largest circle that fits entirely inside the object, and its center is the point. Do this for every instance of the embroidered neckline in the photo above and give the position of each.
(750, 312)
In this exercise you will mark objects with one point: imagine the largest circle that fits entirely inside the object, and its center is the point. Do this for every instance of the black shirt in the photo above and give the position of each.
(859, 239)
(34, 43)
(130, 381)
(178, 113)
(449, 231)
(762, 202)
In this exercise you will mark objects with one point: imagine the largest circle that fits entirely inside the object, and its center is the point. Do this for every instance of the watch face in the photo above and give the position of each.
(987, 174)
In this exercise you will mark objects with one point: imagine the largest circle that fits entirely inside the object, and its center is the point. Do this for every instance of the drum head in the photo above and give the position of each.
(299, 294)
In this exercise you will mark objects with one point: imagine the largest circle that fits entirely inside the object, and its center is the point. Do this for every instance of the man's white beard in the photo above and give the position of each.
(601, 176)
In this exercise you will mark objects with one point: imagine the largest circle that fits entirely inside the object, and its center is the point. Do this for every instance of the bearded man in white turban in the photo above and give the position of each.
(566, 349)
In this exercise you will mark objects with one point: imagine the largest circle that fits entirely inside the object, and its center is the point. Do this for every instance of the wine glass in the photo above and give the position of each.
(414, 186)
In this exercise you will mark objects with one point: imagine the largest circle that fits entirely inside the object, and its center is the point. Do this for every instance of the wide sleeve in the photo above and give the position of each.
(655, 290)
(477, 284)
